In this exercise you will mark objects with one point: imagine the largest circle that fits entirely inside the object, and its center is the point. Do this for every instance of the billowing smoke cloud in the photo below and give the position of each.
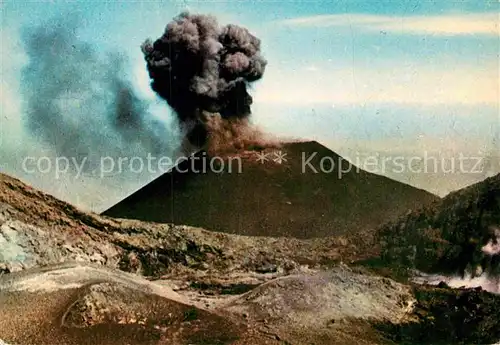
(79, 100)
(203, 70)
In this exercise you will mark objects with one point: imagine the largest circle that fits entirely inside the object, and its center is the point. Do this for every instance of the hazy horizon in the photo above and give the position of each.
(365, 79)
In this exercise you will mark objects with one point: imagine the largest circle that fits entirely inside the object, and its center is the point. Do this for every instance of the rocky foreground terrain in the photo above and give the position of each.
(70, 277)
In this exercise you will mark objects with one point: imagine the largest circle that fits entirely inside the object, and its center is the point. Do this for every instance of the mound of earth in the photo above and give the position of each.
(82, 305)
(329, 307)
(75, 275)
(302, 190)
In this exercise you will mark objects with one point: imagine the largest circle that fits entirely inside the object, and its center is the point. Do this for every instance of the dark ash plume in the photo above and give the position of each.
(80, 101)
(202, 69)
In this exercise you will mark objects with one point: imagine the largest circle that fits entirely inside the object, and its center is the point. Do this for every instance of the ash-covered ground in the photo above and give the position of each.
(71, 277)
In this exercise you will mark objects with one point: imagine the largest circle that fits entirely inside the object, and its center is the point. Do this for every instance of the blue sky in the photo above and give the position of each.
(359, 76)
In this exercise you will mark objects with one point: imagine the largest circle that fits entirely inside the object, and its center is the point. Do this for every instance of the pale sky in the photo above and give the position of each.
(362, 77)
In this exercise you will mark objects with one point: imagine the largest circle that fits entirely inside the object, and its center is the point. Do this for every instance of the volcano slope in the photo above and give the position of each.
(301, 195)
(451, 236)
(71, 277)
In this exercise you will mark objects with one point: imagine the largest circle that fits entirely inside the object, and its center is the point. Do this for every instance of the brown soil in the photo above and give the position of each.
(112, 314)
(191, 286)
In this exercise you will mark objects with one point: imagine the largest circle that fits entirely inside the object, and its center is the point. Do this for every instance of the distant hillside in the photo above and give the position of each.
(274, 198)
(37, 229)
(447, 236)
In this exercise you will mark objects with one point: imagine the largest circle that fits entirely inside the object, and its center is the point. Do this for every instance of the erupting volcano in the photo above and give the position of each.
(202, 70)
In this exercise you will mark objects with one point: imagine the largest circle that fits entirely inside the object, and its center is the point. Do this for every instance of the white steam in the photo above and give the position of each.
(488, 283)
(482, 278)
(493, 246)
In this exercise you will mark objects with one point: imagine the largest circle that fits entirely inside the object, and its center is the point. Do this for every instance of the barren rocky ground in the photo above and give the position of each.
(71, 277)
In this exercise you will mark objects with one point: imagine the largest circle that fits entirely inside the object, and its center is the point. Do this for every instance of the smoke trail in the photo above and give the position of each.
(79, 101)
(202, 70)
